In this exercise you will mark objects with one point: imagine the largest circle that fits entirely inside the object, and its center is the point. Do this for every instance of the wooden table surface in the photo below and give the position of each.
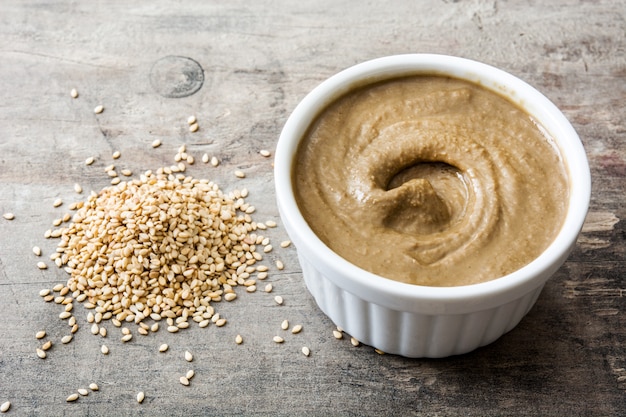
(241, 67)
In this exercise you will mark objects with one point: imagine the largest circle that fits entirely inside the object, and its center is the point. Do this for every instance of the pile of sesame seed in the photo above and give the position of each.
(161, 246)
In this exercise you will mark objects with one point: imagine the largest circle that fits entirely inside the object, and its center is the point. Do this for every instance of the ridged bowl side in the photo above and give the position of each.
(410, 334)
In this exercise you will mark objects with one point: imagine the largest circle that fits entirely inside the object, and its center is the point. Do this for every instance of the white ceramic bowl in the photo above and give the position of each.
(413, 320)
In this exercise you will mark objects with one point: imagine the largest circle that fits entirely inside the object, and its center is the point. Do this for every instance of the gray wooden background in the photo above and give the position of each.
(257, 60)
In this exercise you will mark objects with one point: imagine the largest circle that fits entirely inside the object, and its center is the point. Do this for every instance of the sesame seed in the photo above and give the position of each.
(116, 155)
(191, 120)
(188, 356)
(65, 315)
(172, 329)
(127, 338)
(95, 329)
(72, 398)
(156, 143)
(89, 160)
(230, 296)
(194, 127)
(240, 174)
(306, 351)
(270, 223)
(104, 349)
(57, 202)
(99, 109)
(74, 93)
(66, 339)
(184, 381)
(296, 329)
(46, 345)
(41, 353)
(380, 352)
(93, 386)
(40, 334)
(268, 288)
(285, 243)
(44, 292)
(265, 153)
(354, 341)
(214, 161)
(205, 158)
(284, 325)
(278, 339)
(163, 348)
(140, 397)
(126, 172)
(220, 322)
(78, 189)
(5, 406)
(190, 374)
(337, 334)
(8, 216)
(238, 339)
(278, 299)
(280, 265)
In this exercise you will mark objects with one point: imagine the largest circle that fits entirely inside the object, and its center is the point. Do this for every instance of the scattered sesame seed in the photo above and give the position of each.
(44, 292)
(191, 120)
(93, 386)
(354, 341)
(280, 265)
(163, 348)
(116, 155)
(296, 329)
(5, 406)
(172, 329)
(190, 374)
(126, 338)
(278, 299)
(194, 127)
(57, 202)
(270, 223)
(104, 349)
(380, 352)
(42, 265)
(156, 143)
(99, 109)
(240, 174)
(230, 296)
(265, 152)
(278, 339)
(74, 93)
(220, 322)
(83, 392)
(66, 339)
(285, 243)
(238, 339)
(8, 216)
(90, 160)
(46, 345)
(184, 381)
(268, 288)
(140, 397)
(78, 189)
(188, 356)
(205, 158)
(214, 161)
(284, 325)
(306, 351)
(41, 353)
(72, 398)
(337, 334)
(40, 334)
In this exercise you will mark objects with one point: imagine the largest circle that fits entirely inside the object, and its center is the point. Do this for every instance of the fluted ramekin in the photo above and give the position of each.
(414, 320)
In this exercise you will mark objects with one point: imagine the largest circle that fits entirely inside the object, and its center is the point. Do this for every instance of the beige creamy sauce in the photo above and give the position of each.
(431, 181)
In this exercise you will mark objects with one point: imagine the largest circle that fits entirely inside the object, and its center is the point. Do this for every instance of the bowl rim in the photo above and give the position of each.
(419, 298)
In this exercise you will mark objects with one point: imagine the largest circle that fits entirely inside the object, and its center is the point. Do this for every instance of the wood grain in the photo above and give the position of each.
(258, 59)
